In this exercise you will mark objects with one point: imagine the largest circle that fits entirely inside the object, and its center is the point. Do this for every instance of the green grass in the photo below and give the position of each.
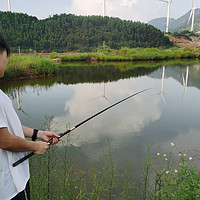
(166, 175)
(28, 66)
(34, 66)
(125, 54)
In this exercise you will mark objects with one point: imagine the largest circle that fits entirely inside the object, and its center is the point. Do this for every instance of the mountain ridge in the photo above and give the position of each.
(67, 32)
(179, 24)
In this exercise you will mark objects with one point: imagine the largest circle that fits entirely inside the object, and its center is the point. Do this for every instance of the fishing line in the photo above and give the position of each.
(81, 123)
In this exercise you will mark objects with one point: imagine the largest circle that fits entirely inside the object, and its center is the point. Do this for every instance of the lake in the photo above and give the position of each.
(169, 112)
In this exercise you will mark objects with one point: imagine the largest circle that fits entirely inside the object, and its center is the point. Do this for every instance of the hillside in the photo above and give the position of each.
(77, 33)
(178, 25)
(183, 41)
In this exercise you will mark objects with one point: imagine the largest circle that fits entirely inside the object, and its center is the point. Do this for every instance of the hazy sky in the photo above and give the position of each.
(135, 10)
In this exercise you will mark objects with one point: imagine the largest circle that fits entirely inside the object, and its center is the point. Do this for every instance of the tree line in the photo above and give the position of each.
(67, 32)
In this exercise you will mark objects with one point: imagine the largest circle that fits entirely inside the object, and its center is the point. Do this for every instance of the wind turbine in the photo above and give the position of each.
(168, 13)
(9, 6)
(192, 15)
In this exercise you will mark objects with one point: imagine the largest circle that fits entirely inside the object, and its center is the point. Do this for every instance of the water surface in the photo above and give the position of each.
(169, 112)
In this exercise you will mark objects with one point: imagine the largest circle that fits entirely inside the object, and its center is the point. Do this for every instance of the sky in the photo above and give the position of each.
(135, 10)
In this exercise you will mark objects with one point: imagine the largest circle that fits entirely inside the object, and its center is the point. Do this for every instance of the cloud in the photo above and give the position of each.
(129, 118)
(86, 7)
(127, 3)
(135, 10)
(95, 7)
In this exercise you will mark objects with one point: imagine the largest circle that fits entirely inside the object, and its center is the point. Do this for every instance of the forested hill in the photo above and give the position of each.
(71, 33)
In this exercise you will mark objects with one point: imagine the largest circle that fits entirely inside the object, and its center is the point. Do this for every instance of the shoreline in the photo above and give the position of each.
(39, 65)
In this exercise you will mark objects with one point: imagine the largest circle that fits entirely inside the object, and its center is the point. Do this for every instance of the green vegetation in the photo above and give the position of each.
(126, 54)
(165, 176)
(28, 66)
(64, 33)
(34, 66)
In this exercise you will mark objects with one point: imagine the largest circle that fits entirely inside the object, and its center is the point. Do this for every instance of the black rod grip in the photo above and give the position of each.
(23, 159)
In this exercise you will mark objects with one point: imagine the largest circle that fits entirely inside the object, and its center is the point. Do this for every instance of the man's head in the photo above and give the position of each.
(4, 45)
(4, 53)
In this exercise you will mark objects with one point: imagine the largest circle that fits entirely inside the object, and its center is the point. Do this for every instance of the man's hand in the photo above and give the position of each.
(48, 135)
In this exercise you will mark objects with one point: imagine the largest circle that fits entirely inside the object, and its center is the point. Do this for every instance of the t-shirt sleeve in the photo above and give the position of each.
(3, 122)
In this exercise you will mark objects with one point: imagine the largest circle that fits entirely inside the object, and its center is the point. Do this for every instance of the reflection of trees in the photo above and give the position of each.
(103, 72)
(93, 74)
(80, 74)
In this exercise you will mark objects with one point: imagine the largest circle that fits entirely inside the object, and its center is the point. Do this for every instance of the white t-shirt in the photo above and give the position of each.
(12, 179)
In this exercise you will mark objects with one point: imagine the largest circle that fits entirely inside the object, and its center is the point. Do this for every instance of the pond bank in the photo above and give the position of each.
(42, 65)
(125, 54)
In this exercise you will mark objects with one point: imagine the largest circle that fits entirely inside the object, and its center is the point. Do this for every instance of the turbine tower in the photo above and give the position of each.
(168, 13)
(9, 6)
(192, 15)
(104, 8)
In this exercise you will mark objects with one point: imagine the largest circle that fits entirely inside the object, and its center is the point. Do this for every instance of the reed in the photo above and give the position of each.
(126, 54)
(22, 66)
(164, 177)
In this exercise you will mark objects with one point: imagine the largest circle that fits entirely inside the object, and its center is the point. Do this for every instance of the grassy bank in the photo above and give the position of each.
(29, 66)
(163, 177)
(125, 54)
(170, 174)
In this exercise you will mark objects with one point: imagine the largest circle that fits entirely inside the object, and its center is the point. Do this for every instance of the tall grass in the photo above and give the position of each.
(166, 175)
(126, 54)
(29, 66)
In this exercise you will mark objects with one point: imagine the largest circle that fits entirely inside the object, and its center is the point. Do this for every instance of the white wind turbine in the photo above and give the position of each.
(192, 15)
(168, 13)
(9, 6)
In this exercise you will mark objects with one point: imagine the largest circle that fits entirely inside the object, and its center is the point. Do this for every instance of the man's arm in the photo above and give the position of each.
(16, 144)
(43, 135)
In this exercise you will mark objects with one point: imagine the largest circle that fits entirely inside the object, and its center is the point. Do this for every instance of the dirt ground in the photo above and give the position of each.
(183, 42)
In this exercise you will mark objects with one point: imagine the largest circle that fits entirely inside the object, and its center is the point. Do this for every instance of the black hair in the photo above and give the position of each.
(4, 45)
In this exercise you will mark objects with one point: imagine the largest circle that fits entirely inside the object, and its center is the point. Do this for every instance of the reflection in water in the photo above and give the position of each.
(162, 87)
(185, 81)
(131, 126)
(19, 101)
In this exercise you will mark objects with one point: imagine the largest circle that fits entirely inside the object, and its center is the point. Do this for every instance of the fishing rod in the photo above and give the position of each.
(81, 123)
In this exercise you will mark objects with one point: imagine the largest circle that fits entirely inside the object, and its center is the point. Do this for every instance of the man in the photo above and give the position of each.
(14, 181)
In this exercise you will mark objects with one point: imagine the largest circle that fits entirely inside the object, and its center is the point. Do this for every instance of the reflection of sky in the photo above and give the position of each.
(131, 126)
(128, 118)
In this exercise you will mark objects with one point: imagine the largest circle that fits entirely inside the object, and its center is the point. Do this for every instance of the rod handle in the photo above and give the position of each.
(28, 156)
(23, 159)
